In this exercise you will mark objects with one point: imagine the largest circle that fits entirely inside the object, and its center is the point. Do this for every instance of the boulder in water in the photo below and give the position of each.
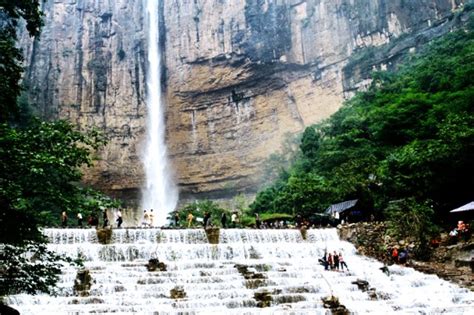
(332, 303)
(154, 264)
(249, 274)
(177, 293)
(104, 235)
(7, 310)
(213, 234)
(82, 283)
(264, 298)
(361, 284)
(304, 232)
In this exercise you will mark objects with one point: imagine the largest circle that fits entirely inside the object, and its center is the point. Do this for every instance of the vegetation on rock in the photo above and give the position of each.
(408, 138)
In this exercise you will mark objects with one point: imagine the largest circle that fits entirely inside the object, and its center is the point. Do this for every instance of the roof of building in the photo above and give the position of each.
(466, 207)
(341, 207)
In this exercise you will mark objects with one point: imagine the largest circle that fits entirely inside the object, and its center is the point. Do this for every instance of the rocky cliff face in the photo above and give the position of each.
(239, 75)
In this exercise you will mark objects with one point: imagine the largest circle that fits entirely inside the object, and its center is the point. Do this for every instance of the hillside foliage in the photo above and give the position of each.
(409, 136)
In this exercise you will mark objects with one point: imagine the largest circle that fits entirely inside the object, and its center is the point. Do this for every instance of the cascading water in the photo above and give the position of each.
(159, 193)
(278, 262)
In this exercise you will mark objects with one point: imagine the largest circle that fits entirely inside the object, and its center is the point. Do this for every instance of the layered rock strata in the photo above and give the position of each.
(238, 76)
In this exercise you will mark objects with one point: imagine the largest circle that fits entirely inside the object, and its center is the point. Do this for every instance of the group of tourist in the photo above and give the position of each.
(93, 219)
(333, 261)
(148, 218)
(399, 256)
(460, 231)
(206, 220)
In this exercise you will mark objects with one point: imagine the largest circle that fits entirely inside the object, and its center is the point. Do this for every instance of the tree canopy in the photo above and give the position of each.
(40, 169)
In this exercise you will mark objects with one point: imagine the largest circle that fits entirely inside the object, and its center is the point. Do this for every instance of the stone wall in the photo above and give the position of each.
(238, 76)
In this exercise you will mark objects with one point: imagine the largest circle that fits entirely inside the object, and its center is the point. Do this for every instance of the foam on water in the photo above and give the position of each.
(213, 285)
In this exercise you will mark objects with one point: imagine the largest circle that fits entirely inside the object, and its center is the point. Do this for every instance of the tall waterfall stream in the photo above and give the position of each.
(287, 264)
(159, 192)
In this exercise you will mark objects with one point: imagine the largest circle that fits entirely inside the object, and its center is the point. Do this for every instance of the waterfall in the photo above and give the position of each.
(280, 262)
(159, 193)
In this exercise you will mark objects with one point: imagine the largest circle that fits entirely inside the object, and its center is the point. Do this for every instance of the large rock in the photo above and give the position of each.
(154, 264)
(82, 283)
(213, 235)
(177, 293)
(104, 235)
(238, 76)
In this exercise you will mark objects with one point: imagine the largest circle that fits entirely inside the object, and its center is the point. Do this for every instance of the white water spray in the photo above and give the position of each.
(285, 264)
(160, 193)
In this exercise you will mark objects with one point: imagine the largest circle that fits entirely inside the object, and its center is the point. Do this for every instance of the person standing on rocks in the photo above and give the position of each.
(324, 261)
(152, 218)
(176, 219)
(64, 219)
(342, 262)
(146, 219)
(224, 220)
(105, 218)
(330, 261)
(395, 254)
(119, 218)
(403, 256)
(79, 219)
(336, 261)
(233, 219)
(190, 219)
(207, 216)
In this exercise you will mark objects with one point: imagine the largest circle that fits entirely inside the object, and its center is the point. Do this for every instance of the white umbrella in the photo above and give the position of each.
(467, 207)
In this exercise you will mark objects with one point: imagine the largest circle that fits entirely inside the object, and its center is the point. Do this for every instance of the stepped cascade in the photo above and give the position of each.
(228, 278)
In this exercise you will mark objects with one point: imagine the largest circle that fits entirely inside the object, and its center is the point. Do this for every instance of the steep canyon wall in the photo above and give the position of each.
(239, 75)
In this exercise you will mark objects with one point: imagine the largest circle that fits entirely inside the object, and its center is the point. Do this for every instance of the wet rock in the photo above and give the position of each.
(177, 293)
(204, 273)
(82, 283)
(155, 265)
(372, 294)
(464, 263)
(287, 299)
(304, 232)
(361, 284)
(299, 290)
(7, 310)
(447, 260)
(332, 303)
(212, 235)
(249, 274)
(255, 283)
(104, 235)
(253, 254)
(264, 298)
(120, 288)
(94, 300)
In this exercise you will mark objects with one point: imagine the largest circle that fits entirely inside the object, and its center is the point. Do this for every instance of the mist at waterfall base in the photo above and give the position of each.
(159, 193)
(209, 276)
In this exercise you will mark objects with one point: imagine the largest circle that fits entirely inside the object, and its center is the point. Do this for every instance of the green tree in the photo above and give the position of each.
(11, 12)
(409, 218)
(40, 170)
(39, 177)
